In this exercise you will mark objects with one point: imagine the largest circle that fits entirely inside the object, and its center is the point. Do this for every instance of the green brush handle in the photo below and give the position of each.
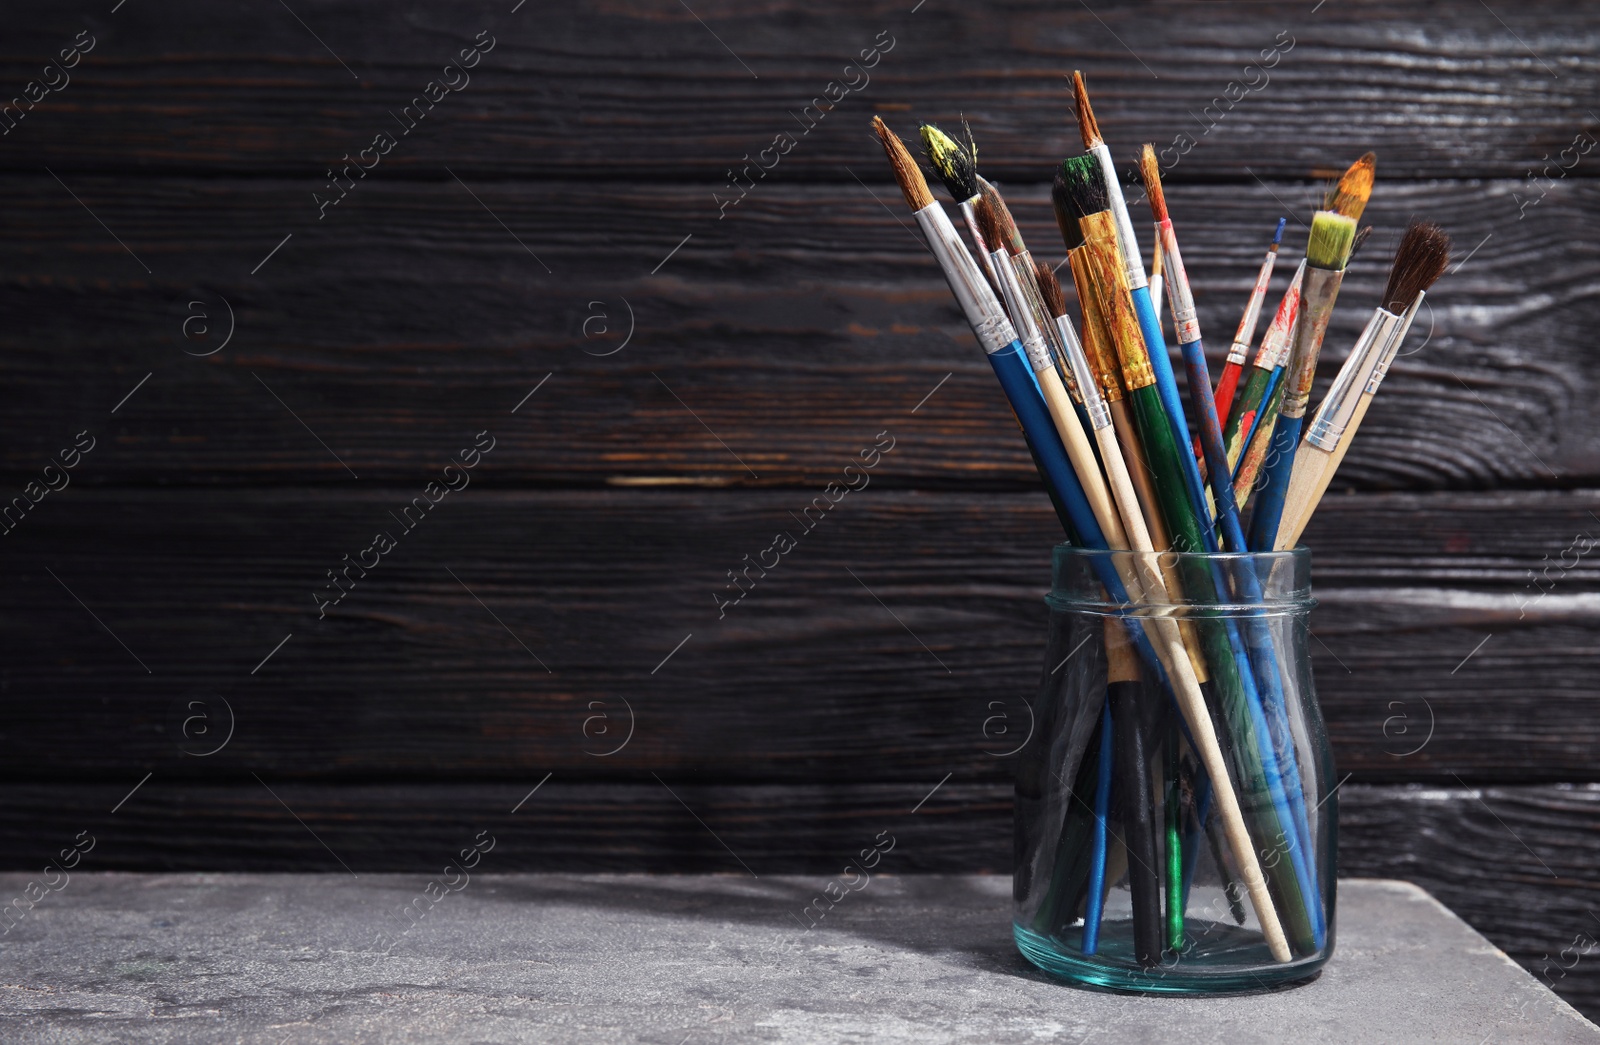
(1161, 451)
(1247, 401)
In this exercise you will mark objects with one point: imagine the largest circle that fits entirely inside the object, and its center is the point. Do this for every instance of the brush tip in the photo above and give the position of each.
(955, 161)
(1066, 214)
(986, 214)
(1419, 261)
(1150, 172)
(1277, 237)
(913, 186)
(1083, 189)
(1332, 235)
(1055, 302)
(1088, 127)
(1349, 197)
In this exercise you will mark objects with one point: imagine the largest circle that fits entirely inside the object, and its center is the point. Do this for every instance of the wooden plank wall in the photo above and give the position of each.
(665, 380)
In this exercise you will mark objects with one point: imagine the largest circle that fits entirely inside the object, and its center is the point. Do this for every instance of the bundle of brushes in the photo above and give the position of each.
(1133, 465)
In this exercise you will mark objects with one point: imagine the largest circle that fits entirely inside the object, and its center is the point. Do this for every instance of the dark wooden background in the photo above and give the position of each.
(562, 201)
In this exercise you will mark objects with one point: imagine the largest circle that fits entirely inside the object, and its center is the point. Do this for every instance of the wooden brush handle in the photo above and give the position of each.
(1330, 465)
(1306, 483)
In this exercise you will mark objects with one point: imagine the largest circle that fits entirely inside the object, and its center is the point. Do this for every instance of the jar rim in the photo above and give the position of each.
(1247, 583)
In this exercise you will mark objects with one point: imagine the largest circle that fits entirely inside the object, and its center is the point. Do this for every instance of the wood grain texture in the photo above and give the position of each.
(810, 320)
(1514, 862)
(650, 87)
(810, 674)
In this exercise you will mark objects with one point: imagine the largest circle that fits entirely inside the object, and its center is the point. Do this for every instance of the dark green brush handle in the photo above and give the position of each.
(1246, 403)
(1269, 834)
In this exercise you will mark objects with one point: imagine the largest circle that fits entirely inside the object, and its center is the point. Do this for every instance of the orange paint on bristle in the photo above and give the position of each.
(1150, 171)
(1350, 196)
(1088, 127)
(913, 186)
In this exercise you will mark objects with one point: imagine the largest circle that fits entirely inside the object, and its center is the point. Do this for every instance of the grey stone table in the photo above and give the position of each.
(277, 959)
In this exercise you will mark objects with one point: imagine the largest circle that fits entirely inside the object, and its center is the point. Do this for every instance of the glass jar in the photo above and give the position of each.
(1175, 815)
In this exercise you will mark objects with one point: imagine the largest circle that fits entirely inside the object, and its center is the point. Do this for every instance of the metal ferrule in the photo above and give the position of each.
(1115, 304)
(1339, 405)
(1132, 263)
(1022, 315)
(1096, 340)
(1252, 311)
(1316, 307)
(969, 215)
(1094, 403)
(1185, 321)
(977, 301)
(1393, 347)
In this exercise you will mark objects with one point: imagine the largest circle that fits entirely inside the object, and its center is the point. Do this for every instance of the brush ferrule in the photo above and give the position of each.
(1321, 288)
(1097, 342)
(1022, 265)
(1252, 311)
(1132, 263)
(1339, 405)
(1392, 349)
(982, 309)
(1094, 403)
(1022, 315)
(1116, 302)
(1185, 321)
(1280, 334)
(969, 215)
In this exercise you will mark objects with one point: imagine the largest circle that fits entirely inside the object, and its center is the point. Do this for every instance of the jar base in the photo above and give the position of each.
(1235, 962)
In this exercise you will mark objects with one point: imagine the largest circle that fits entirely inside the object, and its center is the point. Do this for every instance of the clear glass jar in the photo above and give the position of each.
(1175, 813)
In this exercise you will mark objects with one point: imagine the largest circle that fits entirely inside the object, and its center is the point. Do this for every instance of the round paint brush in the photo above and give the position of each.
(1333, 232)
(1419, 261)
(956, 163)
(1245, 336)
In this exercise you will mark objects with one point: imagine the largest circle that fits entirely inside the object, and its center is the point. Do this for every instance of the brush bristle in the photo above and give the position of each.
(1331, 237)
(1010, 238)
(956, 162)
(1150, 171)
(1084, 188)
(1350, 196)
(1055, 302)
(1355, 245)
(988, 222)
(1066, 217)
(1088, 127)
(1277, 237)
(913, 186)
(1419, 261)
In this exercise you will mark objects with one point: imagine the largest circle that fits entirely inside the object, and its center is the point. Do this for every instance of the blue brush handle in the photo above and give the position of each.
(1275, 485)
(1263, 656)
(1097, 861)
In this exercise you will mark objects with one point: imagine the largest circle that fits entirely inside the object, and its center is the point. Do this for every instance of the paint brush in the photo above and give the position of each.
(1245, 336)
(1270, 715)
(1086, 195)
(1419, 261)
(956, 163)
(1102, 811)
(995, 335)
(1041, 359)
(1138, 291)
(1333, 232)
(1257, 386)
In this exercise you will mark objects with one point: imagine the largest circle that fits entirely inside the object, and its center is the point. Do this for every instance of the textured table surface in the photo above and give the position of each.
(274, 959)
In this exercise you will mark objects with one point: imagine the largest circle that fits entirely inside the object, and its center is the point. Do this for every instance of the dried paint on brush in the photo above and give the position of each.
(955, 161)
(1350, 196)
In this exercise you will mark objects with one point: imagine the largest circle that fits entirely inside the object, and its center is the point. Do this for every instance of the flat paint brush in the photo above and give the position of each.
(1138, 290)
(1245, 336)
(1087, 194)
(956, 163)
(1328, 249)
(1419, 261)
